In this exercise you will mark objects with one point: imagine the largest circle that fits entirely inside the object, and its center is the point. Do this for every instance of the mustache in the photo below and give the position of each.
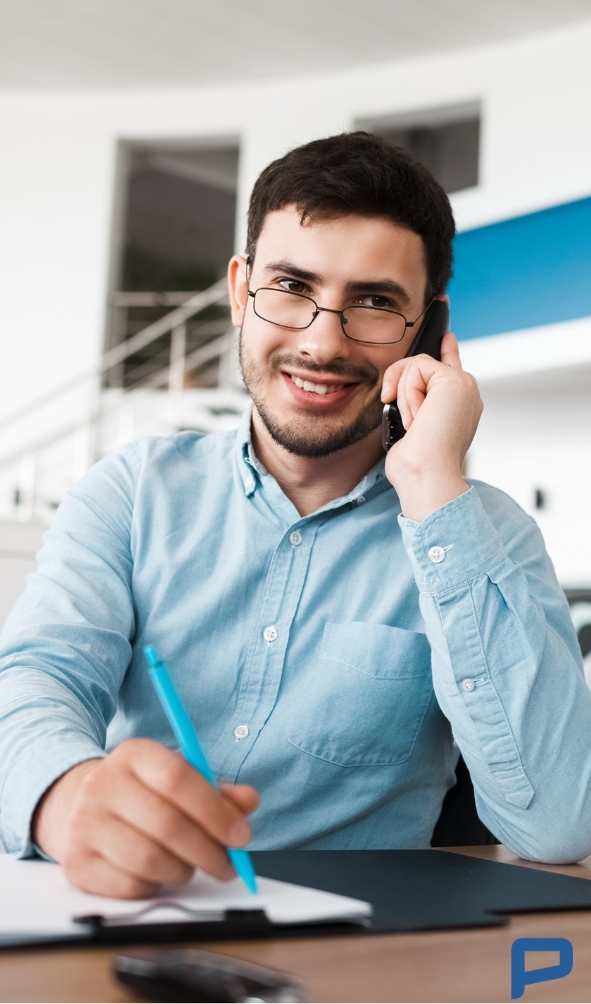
(337, 368)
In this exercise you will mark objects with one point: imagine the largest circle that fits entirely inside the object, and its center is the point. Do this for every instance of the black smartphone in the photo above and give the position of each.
(428, 339)
(191, 975)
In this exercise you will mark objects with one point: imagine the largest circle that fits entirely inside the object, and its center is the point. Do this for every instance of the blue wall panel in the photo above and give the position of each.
(523, 272)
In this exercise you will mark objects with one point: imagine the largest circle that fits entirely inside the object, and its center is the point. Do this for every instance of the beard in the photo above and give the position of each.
(312, 436)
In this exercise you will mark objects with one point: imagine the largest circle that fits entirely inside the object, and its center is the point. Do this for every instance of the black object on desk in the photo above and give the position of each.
(190, 975)
(417, 890)
(428, 890)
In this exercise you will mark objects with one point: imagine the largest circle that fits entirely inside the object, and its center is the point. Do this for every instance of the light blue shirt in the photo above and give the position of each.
(330, 660)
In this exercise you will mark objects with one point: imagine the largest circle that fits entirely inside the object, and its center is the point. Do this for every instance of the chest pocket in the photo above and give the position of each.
(367, 697)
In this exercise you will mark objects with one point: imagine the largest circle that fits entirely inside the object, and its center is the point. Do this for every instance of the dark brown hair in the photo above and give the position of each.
(357, 172)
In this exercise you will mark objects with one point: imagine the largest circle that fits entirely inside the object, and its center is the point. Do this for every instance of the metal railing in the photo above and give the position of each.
(80, 410)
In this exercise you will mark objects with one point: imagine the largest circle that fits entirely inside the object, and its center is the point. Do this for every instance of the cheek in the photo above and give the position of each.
(261, 341)
(384, 358)
(257, 348)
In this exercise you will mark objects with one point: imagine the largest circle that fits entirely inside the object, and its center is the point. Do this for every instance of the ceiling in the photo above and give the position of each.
(61, 44)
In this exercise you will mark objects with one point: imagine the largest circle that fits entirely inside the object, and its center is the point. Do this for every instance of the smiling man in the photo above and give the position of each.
(333, 618)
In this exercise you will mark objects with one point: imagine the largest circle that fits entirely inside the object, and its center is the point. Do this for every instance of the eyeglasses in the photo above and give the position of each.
(374, 325)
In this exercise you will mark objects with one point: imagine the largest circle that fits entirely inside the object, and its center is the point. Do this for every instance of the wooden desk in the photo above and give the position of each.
(468, 965)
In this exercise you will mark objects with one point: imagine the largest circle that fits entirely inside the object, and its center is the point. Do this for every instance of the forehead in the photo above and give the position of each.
(344, 248)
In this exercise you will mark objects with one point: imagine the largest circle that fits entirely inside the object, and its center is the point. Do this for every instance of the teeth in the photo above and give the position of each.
(316, 388)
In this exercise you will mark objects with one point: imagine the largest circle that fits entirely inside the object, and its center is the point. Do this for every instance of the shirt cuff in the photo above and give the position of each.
(455, 544)
(29, 779)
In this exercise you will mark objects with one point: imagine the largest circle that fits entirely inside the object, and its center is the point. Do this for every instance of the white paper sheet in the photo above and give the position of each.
(38, 903)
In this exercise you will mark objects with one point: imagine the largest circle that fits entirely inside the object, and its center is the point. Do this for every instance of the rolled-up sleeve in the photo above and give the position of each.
(507, 671)
(66, 645)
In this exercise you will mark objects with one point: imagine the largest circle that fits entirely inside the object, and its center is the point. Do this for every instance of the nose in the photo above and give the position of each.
(324, 340)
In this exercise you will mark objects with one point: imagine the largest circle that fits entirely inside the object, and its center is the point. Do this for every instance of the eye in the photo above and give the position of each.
(375, 300)
(292, 285)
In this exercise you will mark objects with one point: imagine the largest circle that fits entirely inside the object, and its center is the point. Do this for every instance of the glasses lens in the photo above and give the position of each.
(367, 324)
(280, 307)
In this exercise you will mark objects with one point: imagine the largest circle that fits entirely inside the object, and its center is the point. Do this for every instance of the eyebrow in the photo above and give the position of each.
(379, 286)
(298, 273)
(359, 286)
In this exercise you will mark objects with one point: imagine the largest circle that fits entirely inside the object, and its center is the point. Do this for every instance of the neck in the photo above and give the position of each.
(311, 483)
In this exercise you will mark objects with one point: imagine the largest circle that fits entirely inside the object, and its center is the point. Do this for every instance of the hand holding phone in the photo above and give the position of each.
(428, 340)
(441, 406)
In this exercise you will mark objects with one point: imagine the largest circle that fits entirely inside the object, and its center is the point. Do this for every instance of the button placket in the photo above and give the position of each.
(266, 654)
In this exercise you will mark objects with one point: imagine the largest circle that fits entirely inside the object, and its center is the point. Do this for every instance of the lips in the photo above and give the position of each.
(318, 393)
(316, 388)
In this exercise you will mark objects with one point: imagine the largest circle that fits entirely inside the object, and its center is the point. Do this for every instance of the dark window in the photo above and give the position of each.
(174, 236)
(445, 140)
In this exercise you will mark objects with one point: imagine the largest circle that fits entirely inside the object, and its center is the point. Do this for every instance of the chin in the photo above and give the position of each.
(313, 437)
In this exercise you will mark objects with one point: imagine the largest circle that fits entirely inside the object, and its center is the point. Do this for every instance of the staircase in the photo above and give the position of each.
(180, 372)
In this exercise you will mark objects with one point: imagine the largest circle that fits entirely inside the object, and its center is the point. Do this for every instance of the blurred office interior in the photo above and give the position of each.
(132, 132)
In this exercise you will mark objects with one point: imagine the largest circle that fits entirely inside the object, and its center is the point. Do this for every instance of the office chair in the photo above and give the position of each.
(458, 824)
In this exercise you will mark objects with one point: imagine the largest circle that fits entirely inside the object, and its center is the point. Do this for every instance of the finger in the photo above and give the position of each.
(391, 379)
(245, 797)
(94, 874)
(450, 352)
(169, 775)
(412, 388)
(161, 821)
(137, 855)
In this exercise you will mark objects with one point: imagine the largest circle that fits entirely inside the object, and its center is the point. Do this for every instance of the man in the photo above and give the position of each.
(333, 619)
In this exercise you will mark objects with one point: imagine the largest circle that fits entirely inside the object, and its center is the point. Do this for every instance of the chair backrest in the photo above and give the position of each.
(458, 824)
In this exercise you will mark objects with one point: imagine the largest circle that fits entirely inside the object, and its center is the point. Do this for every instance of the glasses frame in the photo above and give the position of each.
(329, 310)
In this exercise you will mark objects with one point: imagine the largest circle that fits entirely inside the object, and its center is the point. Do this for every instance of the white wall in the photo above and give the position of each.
(535, 432)
(58, 152)
(58, 158)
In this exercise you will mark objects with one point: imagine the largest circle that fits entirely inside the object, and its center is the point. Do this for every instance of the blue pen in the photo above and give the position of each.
(189, 744)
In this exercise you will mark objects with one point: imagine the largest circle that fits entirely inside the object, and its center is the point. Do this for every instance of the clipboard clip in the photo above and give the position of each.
(229, 923)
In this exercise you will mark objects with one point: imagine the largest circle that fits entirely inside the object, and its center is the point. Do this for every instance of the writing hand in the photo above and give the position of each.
(141, 817)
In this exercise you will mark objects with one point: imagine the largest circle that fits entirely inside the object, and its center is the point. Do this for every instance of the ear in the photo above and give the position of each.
(237, 288)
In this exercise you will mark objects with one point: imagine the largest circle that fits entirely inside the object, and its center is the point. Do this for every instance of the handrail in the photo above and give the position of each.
(120, 352)
(207, 328)
(196, 358)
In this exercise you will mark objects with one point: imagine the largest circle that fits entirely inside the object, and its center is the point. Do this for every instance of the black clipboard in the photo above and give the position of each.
(415, 890)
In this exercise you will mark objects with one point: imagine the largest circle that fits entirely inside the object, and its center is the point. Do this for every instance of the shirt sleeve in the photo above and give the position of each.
(66, 645)
(507, 671)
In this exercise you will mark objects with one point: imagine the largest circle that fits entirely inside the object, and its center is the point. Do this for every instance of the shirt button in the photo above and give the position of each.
(241, 731)
(436, 554)
(249, 484)
(270, 633)
(468, 684)
(295, 538)
(360, 500)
